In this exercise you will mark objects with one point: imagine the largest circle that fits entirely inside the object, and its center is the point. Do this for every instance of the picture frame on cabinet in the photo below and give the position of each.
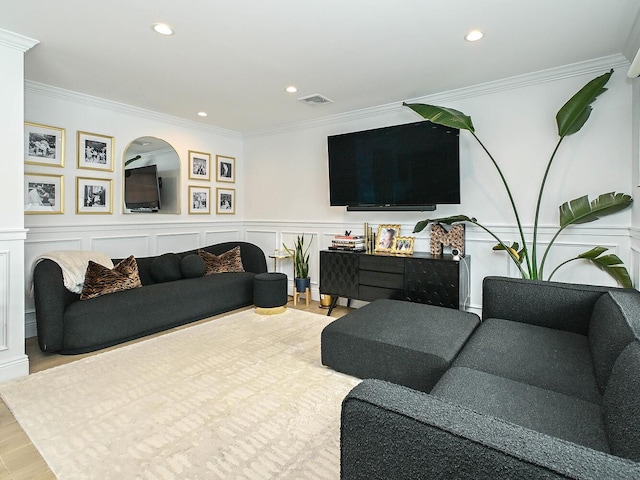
(199, 165)
(225, 201)
(44, 194)
(199, 199)
(387, 234)
(95, 151)
(226, 169)
(404, 245)
(94, 195)
(43, 145)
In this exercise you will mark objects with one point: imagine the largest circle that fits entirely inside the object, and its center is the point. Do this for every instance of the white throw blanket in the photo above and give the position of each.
(73, 264)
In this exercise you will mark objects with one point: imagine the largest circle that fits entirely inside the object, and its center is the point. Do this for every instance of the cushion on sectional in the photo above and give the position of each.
(100, 280)
(615, 323)
(192, 266)
(229, 261)
(541, 356)
(622, 404)
(166, 268)
(538, 409)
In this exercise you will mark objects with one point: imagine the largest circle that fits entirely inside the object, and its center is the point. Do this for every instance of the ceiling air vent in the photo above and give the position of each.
(315, 99)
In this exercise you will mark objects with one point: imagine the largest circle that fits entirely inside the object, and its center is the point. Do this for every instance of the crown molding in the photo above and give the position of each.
(89, 100)
(519, 81)
(17, 41)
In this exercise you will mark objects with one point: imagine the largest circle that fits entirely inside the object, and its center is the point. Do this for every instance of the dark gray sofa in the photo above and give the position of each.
(69, 325)
(548, 386)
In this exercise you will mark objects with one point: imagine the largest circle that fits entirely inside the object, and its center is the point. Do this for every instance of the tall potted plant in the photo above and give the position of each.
(300, 256)
(570, 119)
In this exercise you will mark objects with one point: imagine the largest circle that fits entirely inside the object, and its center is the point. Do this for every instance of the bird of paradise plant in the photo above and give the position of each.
(570, 119)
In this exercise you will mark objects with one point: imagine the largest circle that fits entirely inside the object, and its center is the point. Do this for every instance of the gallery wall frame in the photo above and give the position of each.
(95, 151)
(199, 165)
(43, 194)
(199, 199)
(43, 145)
(225, 201)
(225, 169)
(94, 195)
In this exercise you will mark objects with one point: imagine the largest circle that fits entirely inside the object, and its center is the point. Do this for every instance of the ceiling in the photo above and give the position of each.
(234, 59)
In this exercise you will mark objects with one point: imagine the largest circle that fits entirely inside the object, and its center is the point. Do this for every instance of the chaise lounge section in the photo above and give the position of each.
(548, 386)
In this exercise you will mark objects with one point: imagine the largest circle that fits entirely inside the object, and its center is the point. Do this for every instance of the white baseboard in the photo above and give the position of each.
(14, 368)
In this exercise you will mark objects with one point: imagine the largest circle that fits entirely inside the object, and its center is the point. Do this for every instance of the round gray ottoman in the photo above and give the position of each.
(270, 293)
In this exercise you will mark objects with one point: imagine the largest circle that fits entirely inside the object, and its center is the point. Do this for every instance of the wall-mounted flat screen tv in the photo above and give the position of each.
(142, 189)
(413, 166)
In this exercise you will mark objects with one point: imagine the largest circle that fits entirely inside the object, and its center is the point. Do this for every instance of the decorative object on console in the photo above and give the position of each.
(226, 201)
(404, 245)
(229, 261)
(43, 193)
(94, 195)
(95, 151)
(569, 119)
(386, 237)
(43, 145)
(441, 238)
(226, 169)
(199, 165)
(100, 280)
(348, 242)
(199, 198)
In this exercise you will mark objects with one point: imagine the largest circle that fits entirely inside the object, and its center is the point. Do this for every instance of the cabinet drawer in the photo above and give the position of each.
(369, 294)
(382, 264)
(381, 279)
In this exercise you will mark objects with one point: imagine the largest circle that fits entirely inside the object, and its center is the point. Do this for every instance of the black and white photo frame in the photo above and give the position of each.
(199, 199)
(94, 195)
(43, 193)
(95, 151)
(43, 145)
(226, 169)
(225, 201)
(199, 165)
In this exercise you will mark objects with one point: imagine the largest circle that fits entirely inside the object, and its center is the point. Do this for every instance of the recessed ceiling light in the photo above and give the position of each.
(474, 36)
(202, 114)
(162, 29)
(291, 89)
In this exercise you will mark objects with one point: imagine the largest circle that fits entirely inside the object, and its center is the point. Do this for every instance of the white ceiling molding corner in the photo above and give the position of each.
(17, 41)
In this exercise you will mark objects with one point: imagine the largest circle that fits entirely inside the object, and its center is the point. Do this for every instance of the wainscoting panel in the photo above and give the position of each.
(4, 299)
(219, 236)
(177, 242)
(267, 240)
(122, 246)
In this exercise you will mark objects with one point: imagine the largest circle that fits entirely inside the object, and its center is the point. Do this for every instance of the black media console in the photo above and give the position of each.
(421, 277)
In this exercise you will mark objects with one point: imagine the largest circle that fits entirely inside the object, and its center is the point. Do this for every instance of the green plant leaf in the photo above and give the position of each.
(609, 263)
(580, 210)
(574, 114)
(448, 117)
(519, 255)
(446, 220)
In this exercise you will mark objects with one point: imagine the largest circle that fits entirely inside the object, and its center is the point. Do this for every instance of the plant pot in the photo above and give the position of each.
(302, 284)
(325, 301)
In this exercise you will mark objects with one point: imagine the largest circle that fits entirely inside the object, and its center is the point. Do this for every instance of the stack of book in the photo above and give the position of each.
(354, 243)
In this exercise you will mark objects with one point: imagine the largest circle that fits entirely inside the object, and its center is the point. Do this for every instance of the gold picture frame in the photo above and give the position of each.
(225, 201)
(94, 196)
(95, 151)
(226, 169)
(404, 245)
(43, 145)
(199, 200)
(386, 236)
(199, 165)
(43, 194)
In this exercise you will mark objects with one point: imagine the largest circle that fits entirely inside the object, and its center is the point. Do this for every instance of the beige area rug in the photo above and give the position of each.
(244, 396)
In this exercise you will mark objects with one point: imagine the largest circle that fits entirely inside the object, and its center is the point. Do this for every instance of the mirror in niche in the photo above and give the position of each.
(151, 180)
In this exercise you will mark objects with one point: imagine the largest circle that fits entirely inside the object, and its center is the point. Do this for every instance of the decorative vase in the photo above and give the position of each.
(325, 301)
(302, 284)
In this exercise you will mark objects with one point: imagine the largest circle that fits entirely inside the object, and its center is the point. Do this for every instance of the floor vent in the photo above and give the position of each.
(315, 99)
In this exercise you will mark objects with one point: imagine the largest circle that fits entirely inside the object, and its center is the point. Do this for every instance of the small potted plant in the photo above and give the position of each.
(300, 256)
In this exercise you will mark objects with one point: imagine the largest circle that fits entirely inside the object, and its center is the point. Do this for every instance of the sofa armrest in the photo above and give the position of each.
(51, 298)
(390, 431)
(563, 306)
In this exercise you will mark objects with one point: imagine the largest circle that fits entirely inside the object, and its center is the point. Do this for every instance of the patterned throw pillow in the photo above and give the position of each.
(100, 280)
(230, 261)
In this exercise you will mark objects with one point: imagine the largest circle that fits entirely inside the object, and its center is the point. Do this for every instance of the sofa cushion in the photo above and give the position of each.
(542, 410)
(230, 261)
(166, 268)
(615, 323)
(192, 266)
(540, 356)
(622, 404)
(100, 280)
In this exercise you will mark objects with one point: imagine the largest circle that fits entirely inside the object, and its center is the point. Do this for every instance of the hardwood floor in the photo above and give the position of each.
(19, 459)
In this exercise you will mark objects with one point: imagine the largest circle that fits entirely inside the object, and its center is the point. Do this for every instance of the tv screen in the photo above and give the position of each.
(141, 188)
(405, 167)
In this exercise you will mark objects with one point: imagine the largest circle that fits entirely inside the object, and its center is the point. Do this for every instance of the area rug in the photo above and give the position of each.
(243, 396)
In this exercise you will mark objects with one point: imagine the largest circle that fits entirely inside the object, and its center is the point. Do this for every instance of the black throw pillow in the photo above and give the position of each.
(166, 268)
(192, 266)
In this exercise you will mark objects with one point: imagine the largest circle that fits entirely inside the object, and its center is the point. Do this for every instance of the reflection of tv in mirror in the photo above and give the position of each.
(142, 189)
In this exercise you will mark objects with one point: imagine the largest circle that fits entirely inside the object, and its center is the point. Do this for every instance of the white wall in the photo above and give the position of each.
(287, 176)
